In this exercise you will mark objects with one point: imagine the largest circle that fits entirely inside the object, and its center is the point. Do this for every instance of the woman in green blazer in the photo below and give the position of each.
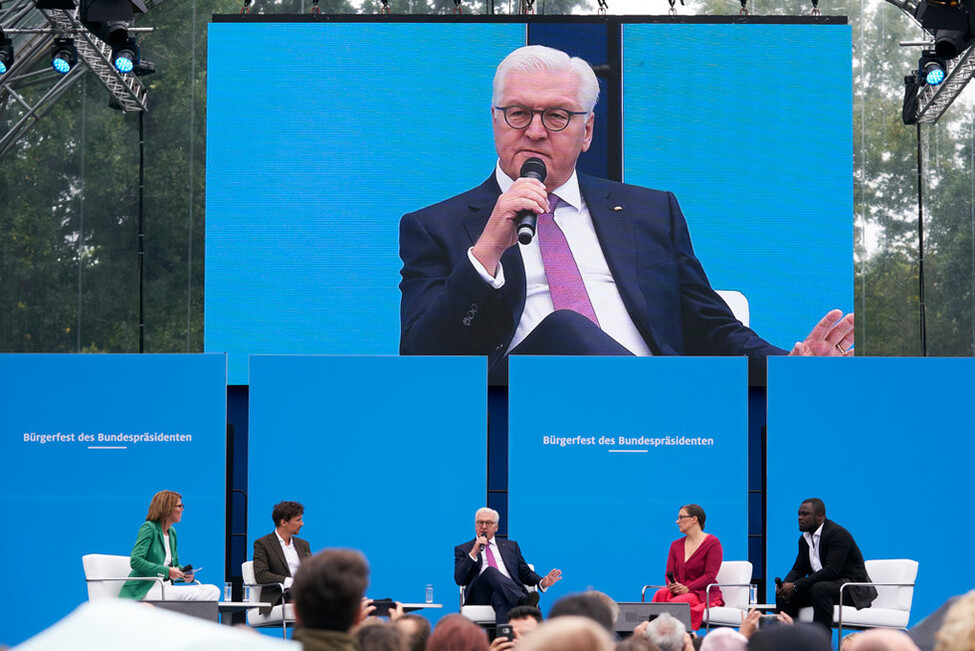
(154, 554)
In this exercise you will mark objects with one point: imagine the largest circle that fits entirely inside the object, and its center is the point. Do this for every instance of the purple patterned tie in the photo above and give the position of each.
(564, 280)
(490, 556)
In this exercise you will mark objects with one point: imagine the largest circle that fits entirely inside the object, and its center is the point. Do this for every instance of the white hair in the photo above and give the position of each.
(487, 509)
(724, 639)
(667, 632)
(538, 58)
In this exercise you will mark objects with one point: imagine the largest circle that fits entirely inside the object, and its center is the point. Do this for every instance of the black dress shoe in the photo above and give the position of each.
(530, 599)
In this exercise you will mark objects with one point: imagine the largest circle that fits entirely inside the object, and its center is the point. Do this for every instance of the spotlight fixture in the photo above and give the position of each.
(6, 53)
(125, 56)
(64, 55)
(931, 68)
(55, 4)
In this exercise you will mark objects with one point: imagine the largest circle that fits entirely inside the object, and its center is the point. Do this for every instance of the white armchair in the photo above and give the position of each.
(894, 581)
(105, 574)
(734, 580)
(281, 615)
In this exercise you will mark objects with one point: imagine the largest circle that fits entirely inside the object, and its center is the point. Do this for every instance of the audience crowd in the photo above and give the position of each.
(334, 615)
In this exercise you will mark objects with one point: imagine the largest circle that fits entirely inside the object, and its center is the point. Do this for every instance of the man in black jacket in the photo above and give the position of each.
(828, 557)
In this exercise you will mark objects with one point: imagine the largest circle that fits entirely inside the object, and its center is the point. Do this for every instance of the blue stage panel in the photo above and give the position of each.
(757, 145)
(604, 451)
(315, 149)
(887, 444)
(387, 454)
(85, 442)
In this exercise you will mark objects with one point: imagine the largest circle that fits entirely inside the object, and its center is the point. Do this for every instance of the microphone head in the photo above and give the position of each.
(534, 168)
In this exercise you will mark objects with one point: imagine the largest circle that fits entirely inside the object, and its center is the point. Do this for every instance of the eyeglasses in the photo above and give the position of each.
(553, 119)
(179, 506)
(484, 523)
(681, 517)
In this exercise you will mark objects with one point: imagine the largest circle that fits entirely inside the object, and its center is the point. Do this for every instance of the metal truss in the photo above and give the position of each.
(933, 101)
(33, 31)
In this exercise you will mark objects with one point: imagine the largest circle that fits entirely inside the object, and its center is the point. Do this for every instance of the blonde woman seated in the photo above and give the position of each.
(154, 554)
(692, 564)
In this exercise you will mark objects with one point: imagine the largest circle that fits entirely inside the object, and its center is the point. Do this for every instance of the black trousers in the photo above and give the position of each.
(493, 588)
(822, 596)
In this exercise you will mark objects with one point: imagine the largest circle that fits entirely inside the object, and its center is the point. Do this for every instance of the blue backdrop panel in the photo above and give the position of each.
(887, 444)
(310, 167)
(604, 451)
(387, 454)
(758, 150)
(85, 442)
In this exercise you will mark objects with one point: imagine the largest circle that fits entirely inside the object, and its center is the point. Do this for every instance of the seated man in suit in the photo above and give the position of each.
(610, 271)
(278, 554)
(494, 571)
(828, 557)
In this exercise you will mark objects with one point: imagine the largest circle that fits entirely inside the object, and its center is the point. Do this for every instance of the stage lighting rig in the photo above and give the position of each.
(64, 55)
(125, 56)
(931, 68)
(6, 53)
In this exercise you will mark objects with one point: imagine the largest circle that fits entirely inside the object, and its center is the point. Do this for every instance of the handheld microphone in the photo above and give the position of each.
(533, 168)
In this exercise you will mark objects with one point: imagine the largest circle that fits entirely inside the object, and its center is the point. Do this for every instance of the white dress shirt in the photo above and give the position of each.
(291, 556)
(574, 219)
(812, 539)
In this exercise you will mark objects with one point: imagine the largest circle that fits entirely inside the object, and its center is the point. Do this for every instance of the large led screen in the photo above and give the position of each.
(310, 168)
(388, 455)
(603, 452)
(887, 445)
(85, 442)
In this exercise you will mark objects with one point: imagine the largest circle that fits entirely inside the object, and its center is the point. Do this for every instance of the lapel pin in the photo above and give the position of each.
(617, 208)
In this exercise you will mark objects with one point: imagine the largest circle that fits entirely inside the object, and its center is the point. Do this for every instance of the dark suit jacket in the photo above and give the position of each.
(466, 569)
(270, 565)
(842, 561)
(447, 309)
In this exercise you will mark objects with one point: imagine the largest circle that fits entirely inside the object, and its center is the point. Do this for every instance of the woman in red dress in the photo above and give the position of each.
(692, 564)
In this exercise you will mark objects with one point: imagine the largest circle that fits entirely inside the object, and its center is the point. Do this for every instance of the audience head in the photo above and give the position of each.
(380, 636)
(416, 629)
(800, 637)
(957, 631)
(524, 620)
(667, 632)
(583, 605)
(163, 505)
(692, 511)
(457, 633)
(284, 511)
(636, 643)
(328, 588)
(614, 609)
(879, 639)
(724, 639)
(568, 633)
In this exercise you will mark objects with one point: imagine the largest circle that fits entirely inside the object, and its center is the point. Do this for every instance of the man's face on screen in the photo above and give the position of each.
(538, 91)
(484, 525)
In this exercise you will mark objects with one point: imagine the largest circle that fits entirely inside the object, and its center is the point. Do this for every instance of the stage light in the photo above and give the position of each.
(6, 53)
(64, 55)
(125, 56)
(931, 68)
(55, 4)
